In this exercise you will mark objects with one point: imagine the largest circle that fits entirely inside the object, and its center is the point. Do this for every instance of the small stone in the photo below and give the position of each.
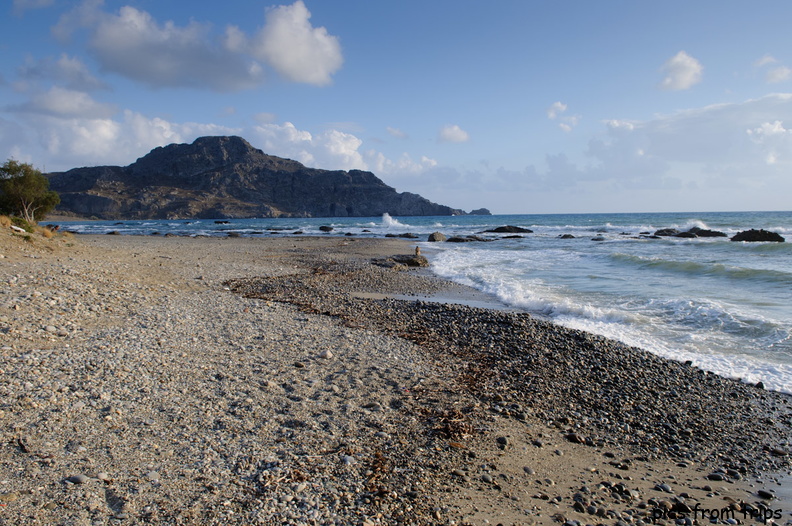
(664, 487)
(381, 434)
(299, 365)
(104, 477)
(9, 497)
(326, 355)
(528, 470)
(152, 476)
(502, 441)
(764, 494)
(78, 479)
(347, 459)
(717, 477)
(486, 477)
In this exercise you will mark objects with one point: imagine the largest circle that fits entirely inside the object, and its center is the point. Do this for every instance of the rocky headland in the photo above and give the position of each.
(225, 177)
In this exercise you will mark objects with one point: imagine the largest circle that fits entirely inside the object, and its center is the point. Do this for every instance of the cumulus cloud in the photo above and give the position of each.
(133, 44)
(296, 49)
(555, 109)
(21, 6)
(331, 149)
(681, 72)
(778, 74)
(62, 102)
(67, 71)
(452, 133)
(567, 122)
(395, 132)
(765, 60)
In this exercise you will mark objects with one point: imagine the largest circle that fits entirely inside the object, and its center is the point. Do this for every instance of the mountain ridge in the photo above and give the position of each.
(225, 177)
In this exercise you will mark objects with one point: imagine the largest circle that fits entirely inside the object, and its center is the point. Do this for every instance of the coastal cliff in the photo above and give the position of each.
(225, 177)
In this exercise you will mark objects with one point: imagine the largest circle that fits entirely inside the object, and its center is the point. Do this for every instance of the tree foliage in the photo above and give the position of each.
(25, 192)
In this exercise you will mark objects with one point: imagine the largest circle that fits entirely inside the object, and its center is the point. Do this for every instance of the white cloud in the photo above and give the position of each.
(68, 71)
(681, 72)
(265, 118)
(778, 74)
(568, 122)
(401, 167)
(23, 5)
(331, 149)
(453, 133)
(774, 140)
(395, 132)
(296, 49)
(135, 45)
(555, 109)
(162, 54)
(61, 102)
(765, 60)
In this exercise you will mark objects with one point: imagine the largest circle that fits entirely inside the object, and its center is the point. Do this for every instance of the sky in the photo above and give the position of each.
(519, 106)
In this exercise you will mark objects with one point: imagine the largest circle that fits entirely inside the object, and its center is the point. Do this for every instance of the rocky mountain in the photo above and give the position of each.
(225, 177)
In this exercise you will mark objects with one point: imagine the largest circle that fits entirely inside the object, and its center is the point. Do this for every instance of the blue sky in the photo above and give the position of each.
(517, 106)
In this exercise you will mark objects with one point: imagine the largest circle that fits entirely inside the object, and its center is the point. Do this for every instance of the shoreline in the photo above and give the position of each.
(420, 418)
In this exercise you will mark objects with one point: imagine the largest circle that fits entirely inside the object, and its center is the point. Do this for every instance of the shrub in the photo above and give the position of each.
(24, 191)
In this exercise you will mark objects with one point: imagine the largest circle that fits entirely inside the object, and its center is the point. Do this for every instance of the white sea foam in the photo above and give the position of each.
(388, 221)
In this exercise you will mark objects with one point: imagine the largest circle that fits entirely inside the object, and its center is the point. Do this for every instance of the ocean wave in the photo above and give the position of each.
(699, 269)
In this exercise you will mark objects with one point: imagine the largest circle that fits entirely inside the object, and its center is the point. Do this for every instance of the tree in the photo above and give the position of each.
(25, 192)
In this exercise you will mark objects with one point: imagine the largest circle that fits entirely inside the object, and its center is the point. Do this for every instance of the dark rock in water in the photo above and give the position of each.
(667, 232)
(437, 236)
(409, 235)
(480, 212)
(114, 233)
(509, 229)
(758, 235)
(513, 237)
(233, 234)
(297, 232)
(465, 239)
(566, 236)
(759, 385)
(688, 235)
(222, 222)
(703, 232)
(598, 238)
(325, 228)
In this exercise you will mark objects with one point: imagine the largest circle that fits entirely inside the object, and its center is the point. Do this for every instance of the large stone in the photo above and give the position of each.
(758, 235)
(509, 229)
(437, 236)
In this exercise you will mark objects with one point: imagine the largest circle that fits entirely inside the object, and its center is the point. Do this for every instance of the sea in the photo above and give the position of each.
(725, 306)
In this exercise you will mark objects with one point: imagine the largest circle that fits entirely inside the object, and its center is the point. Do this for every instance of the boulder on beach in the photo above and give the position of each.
(402, 260)
(754, 235)
(325, 228)
(437, 236)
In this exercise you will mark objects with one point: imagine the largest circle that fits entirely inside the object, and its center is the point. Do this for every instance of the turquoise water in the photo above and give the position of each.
(725, 306)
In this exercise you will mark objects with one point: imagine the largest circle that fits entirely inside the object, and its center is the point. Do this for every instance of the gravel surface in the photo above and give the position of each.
(151, 380)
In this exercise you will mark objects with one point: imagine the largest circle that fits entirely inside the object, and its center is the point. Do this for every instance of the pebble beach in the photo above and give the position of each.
(315, 381)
